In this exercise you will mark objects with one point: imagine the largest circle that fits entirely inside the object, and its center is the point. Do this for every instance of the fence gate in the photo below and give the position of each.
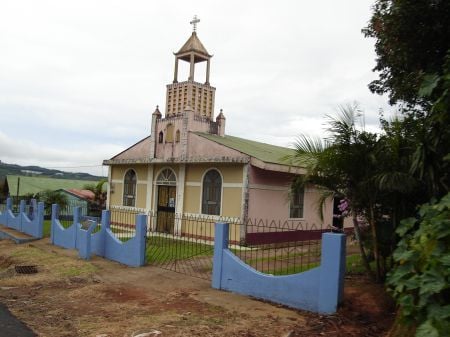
(187, 248)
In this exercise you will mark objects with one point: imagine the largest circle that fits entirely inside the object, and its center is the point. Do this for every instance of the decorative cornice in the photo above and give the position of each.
(243, 160)
(183, 83)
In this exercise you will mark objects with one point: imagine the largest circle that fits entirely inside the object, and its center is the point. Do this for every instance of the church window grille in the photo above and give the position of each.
(129, 188)
(212, 193)
(296, 205)
(166, 177)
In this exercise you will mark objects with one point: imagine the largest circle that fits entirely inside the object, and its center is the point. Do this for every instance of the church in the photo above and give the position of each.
(189, 165)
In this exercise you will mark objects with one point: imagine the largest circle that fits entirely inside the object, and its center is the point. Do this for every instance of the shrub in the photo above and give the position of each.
(420, 282)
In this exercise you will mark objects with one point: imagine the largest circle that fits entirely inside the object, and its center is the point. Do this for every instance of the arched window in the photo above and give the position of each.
(169, 133)
(129, 188)
(177, 136)
(166, 177)
(212, 192)
(160, 137)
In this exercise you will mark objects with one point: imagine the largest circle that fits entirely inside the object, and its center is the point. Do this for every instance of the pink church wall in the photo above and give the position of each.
(269, 198)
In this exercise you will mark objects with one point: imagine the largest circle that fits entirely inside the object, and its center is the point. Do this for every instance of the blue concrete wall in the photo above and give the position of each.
(21, 222)
(131, 252)
(14, 221)
(103, 243)
(318, 290)
(332, 267)
(84, 241)
(98, 239)
(64, 237)
(35, 226)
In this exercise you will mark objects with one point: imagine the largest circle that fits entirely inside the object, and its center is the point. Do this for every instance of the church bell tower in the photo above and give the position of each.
(190, 95)
(189, 106)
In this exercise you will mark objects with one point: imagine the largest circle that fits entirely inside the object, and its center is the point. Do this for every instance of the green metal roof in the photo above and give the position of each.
(35, 184)
(262, 151)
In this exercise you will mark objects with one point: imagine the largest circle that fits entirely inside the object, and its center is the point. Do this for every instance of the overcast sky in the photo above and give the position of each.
(80, 79)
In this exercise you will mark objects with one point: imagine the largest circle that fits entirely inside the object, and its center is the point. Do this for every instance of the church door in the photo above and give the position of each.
(166, 209)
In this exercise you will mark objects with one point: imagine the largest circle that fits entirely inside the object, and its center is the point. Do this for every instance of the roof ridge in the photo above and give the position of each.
(245, 139)
(267, 153)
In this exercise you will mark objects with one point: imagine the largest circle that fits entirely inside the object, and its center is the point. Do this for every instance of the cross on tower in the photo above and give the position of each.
(194, 22)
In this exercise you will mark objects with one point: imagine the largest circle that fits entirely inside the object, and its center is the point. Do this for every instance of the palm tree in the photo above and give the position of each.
(344, 165)
(99, 194)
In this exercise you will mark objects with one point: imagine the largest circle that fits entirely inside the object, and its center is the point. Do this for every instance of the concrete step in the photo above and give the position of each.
(16, 236)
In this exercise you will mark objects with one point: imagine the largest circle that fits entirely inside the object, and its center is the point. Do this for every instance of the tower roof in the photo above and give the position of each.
(193, 45)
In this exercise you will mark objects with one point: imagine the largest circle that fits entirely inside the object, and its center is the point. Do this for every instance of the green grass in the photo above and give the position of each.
(47, 228)
(280, 257)
(353, 265)
(124, 237)
(161, 249)
(299, 268)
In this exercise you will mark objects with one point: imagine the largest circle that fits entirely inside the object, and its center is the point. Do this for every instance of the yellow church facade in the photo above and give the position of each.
(188, 165)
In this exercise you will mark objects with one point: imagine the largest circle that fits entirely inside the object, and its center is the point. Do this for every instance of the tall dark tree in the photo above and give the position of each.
(412, 40)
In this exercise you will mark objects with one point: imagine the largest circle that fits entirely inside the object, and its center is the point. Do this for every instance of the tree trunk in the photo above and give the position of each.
(361, 247)
(376, 253)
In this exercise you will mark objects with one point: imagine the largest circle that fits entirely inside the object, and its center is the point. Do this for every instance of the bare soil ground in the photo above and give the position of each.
(100, 298)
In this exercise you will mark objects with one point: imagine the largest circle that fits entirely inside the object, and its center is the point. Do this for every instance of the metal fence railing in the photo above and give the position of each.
(182, 242)
(278, 247)
(123, 222)
(185, 242)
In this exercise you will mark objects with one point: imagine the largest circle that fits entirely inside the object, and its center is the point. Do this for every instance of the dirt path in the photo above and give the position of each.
(72, 297)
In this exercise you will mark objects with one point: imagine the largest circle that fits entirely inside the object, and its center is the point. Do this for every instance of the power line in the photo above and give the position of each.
(66, 167)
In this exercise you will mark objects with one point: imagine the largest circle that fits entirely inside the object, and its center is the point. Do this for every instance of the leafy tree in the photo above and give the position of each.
(53, 197)
(421, 281)
(430, 161)
(412, 39)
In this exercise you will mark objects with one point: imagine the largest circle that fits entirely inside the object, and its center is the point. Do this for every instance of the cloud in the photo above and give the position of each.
(15, 150)
(80, 79)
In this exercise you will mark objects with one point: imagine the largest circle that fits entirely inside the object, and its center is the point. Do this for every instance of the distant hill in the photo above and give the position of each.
(36, 171)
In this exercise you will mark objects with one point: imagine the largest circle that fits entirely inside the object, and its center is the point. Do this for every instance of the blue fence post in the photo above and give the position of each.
(220, 243)
(105, 224)
(21, 213)
(8, 209)
(76, 223)
(39, 218)
(33, 206)
(332, 272)
(84, 245)
(55, 216)
(141, 233)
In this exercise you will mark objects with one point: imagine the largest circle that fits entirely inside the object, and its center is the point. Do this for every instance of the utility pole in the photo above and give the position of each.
(18, 187)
